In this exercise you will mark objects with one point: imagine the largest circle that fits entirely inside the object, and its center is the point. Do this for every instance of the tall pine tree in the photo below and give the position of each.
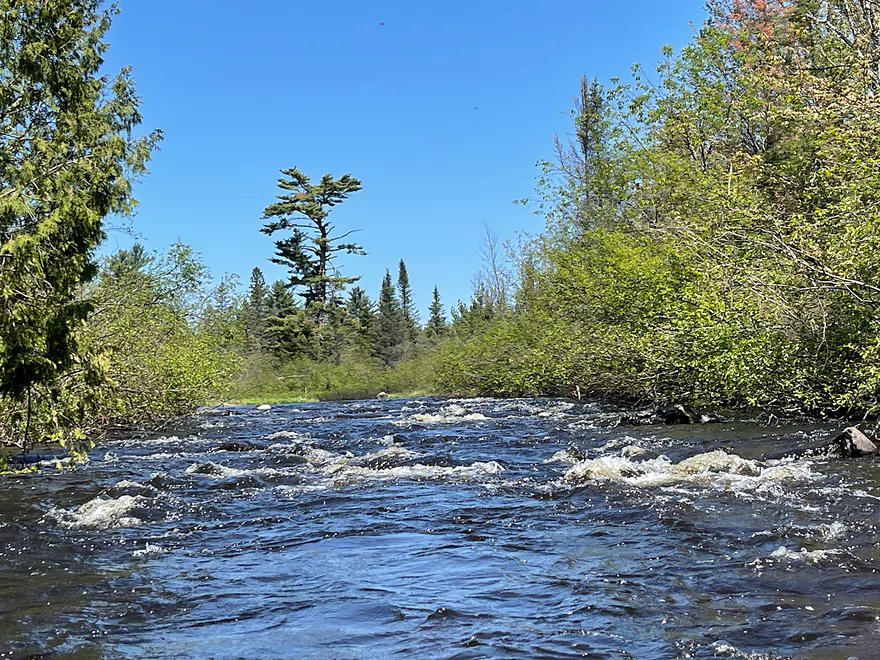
(407, 306)
(308, 253)
(255, 311)
(363, 313)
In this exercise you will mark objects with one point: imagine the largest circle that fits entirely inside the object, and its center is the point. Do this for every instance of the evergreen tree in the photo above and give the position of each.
(390, 325)
(335, 339)
(255, 310)
(125, 263)
(67, 160)
(309, 252)
(281, 319)
(363, 313)
(470, 319)
(437, 321)
(407, 306)
(279, 300)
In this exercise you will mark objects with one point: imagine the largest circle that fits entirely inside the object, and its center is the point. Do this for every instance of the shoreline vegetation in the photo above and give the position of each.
(712, 240)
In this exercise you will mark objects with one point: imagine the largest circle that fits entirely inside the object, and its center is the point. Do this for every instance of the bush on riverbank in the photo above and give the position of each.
(264, 381)
(161, 341)
(712, 236)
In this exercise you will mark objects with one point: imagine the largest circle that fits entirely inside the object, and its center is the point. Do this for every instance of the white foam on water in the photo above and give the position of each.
(345, 474)
(582, 425)
(149, 550)
(832, 531)
(101, 513)
(162, 440)
(387, 440)
(633, 451)
(452, 413)
(318, 420)
(619, 442)
(218, 471)
(278, 435)
(135, 488)
(786, 555)
(162, 456)
(566, 456)
(393, 452)
(719, 461)
(426, 418)
(716, 468)
(318, 456)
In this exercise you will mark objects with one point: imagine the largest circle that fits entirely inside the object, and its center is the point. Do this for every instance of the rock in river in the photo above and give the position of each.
(239, 445)
(850, 443)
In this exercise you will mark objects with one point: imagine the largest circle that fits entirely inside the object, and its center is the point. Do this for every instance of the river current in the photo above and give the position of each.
(435, 528)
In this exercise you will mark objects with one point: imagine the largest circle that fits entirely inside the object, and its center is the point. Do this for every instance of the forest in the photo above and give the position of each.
(711, 239)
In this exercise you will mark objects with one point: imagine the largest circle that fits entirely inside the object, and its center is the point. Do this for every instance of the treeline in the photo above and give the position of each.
(87, 344)
(712, 238)
(355, 348)
(712, 229)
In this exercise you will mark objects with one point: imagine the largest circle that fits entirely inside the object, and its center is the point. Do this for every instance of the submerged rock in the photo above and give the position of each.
(675, 414)
(21, 460)
(264, 407)
(239, 445)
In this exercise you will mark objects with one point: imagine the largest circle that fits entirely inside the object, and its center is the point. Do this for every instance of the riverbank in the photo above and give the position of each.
(339, 395)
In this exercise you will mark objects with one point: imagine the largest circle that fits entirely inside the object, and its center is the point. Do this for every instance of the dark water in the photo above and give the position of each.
(444, 529)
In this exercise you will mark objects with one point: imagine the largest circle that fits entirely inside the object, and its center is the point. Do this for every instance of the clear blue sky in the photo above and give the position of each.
(442, 112)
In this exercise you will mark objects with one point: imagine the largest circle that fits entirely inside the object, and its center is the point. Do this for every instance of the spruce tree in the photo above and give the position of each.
(67, 160)
(279, 300)
(407, 306)
(255, 310)
(390, 326)
(308, 253)
(280, 318)
(437, 321)
(334, 340)
(361, 310)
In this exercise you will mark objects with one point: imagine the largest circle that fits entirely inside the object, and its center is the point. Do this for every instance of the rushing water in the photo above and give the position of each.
(444, 529)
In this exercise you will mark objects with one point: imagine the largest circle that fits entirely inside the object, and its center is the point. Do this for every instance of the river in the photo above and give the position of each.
(434, 528)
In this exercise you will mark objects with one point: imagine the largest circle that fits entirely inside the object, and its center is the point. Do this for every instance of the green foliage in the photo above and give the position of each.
(168, 336)
(68, 156)
(712, 236)
(255, 311)
(162, 338)
(363, 315)
(356, 377)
